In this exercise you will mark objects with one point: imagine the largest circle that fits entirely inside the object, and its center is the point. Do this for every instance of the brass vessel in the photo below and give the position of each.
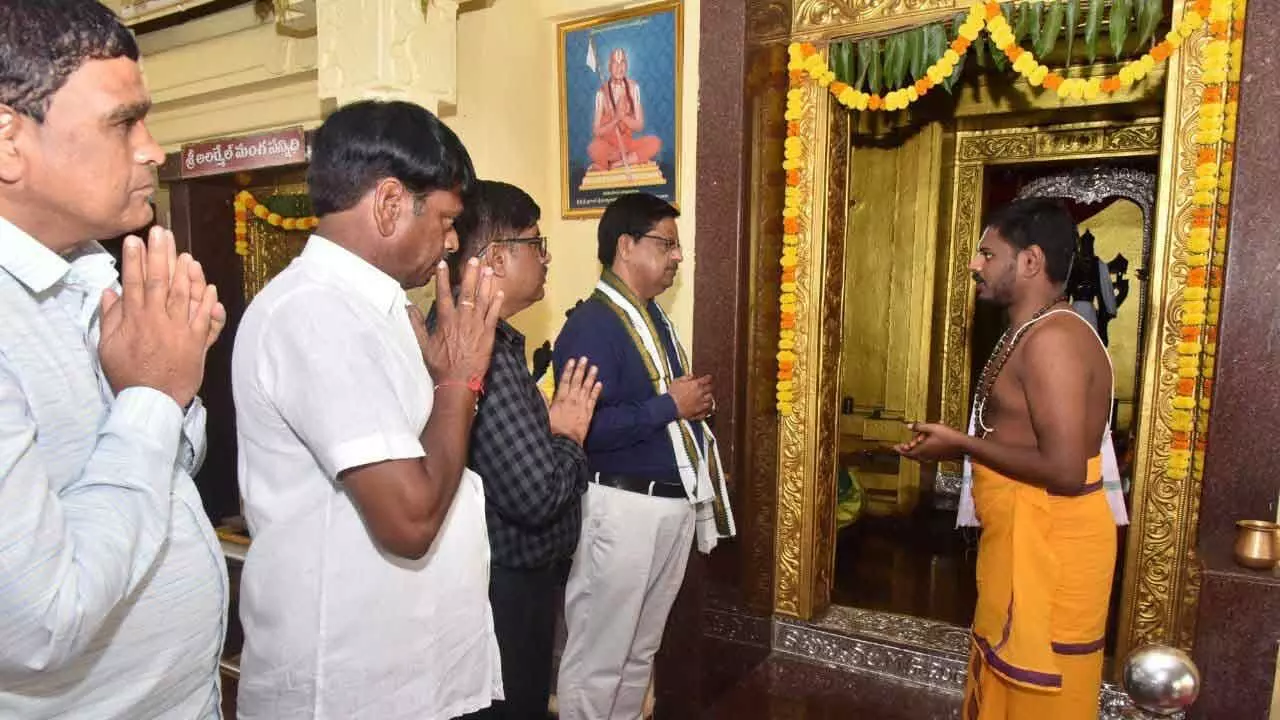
(1257, 544)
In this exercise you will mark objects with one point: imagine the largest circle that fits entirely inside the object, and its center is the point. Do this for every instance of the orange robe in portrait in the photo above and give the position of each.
(618, 98)
(1045, 564)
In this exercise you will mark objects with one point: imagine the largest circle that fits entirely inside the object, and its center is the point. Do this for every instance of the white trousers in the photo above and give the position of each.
(628, 568)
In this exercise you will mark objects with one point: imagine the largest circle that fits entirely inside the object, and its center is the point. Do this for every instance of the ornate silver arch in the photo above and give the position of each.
(1099, 184)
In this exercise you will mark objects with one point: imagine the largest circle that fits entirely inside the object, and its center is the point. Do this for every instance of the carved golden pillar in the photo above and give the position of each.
(808, 438)
(388, 49)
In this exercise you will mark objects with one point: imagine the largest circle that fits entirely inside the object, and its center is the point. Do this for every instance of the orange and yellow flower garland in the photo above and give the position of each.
(1197, 343)
(987, 16)
(246, 204)
(793, 165)
(1026, 64)
(1207, 243)
(805, 57)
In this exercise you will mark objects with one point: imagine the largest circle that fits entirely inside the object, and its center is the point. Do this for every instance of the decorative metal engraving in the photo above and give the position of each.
(864, 654)
(931, 635)
(905, 649)
(830, 18)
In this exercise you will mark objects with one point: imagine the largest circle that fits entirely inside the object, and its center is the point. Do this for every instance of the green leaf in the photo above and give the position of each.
(1052, 28)
(866, 51)
(1037, 20)
(289, 205)
(940, 42)
(1021, 30)
(980, 51)
(875, 73)
(892, 61)
(916, 50)
(1150, 13)
(1121, 10)
(838, 61)
(1092, 28)
(998, 59)
(1072, 20)
(902, 61)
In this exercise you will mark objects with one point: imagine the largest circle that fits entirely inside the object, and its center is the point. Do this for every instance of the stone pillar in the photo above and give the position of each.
(388, 49)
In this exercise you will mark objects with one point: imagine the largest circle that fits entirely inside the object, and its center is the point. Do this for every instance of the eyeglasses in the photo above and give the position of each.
(667, 243)
(538, 243)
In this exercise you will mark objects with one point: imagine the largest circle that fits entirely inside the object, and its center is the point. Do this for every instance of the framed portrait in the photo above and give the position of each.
(619, 107)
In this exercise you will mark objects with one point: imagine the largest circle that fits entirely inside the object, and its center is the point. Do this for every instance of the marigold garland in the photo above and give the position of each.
(793, 166)
(1026, 64)
(805, 58)
(246, 204)
(1206, 243)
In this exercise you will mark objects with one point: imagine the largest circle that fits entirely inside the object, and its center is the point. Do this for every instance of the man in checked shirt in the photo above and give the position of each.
(529, 455)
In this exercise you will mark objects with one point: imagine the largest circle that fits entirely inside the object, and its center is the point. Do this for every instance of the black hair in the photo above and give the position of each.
(365, 142)
(1045, 223)
(632, 214)
(42, 42)
(491, 211)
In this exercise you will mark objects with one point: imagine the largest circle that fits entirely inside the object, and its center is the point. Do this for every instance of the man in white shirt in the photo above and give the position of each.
(365, 588)
(113, 589)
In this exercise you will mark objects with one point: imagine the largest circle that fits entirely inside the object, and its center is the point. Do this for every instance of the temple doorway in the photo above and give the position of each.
(913, 193)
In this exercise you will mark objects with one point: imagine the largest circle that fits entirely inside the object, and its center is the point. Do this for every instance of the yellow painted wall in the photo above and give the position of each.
(507, 114)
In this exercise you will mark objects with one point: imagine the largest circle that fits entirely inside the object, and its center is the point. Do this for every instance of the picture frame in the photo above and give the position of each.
(620, 80)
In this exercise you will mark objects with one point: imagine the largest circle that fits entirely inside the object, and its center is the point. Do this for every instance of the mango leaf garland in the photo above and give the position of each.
(875, 74)
(1072, 18)
(1037, 18)
(1092, 28)
(1150, 13)
(916, 53)
(865, 53)
(1023, 28)
(1119, 25)
(1052, 28)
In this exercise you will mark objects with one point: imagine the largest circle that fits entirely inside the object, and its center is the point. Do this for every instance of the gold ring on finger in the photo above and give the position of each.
(467, 303)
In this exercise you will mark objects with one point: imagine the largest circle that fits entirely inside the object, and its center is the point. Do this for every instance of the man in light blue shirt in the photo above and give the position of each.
(112, 588)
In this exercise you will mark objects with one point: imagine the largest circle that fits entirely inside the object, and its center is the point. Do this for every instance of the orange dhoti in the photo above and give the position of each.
(607, 152)
(1045, 564)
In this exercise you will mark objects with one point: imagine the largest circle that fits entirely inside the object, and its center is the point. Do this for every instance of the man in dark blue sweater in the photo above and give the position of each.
(655, 471)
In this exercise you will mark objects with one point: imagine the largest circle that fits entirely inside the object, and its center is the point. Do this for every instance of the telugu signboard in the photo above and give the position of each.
(247, 152)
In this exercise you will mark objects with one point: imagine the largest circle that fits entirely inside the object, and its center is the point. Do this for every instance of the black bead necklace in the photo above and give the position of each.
(996, 361)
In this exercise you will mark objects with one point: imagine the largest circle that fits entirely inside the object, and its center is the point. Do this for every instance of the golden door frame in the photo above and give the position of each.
(1161, 574)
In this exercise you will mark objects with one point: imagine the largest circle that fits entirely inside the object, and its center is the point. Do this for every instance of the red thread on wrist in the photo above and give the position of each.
(475, 384)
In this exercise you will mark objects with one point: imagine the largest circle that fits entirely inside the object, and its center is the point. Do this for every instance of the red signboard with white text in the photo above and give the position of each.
(247, 152)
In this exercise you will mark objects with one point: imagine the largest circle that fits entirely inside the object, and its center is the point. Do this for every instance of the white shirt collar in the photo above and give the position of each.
(31, 263)
(378, 287)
